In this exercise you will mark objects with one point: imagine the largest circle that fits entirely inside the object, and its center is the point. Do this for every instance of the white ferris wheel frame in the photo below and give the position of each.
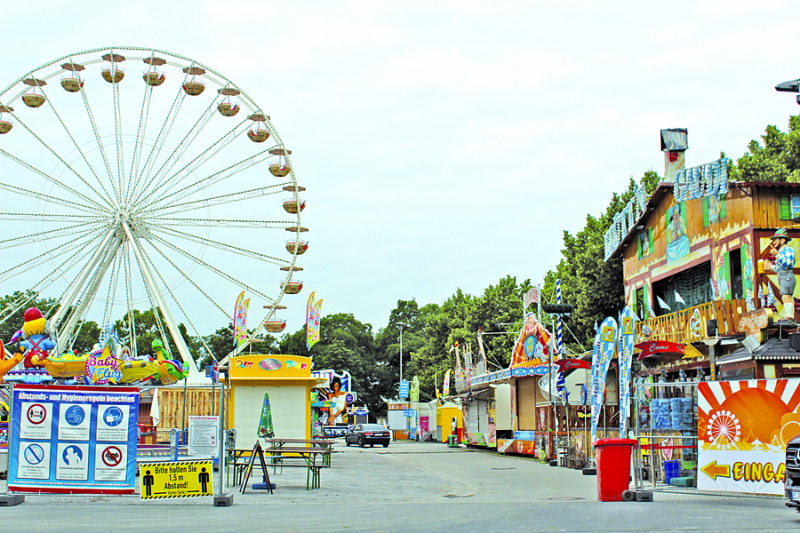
(116, 234)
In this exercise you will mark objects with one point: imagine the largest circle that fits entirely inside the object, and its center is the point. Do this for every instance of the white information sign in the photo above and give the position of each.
(34, 460)
(203, 434)
(72, 462)
(110, 462)
(36, 420)
(112, 423)
(74, 421)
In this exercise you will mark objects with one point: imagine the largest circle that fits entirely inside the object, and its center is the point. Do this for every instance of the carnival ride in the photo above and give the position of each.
(123, 195)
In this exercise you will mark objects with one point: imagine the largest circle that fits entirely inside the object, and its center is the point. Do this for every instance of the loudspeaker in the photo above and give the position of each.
(711, 328)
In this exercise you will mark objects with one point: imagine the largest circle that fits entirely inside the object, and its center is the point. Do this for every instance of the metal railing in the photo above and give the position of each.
(689, 325)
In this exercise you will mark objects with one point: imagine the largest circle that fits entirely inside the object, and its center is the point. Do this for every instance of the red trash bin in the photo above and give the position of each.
(613, 468)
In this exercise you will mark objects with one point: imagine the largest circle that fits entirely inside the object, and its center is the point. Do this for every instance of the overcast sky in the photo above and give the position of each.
(445, 145)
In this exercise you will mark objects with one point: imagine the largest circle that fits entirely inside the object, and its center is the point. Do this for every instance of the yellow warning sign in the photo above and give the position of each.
(182, 479)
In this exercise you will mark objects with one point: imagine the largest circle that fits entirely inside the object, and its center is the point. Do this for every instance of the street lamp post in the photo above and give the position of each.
(401, 326)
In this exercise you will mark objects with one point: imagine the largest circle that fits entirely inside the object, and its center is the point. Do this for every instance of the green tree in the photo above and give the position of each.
(346, 344)
(775, 158)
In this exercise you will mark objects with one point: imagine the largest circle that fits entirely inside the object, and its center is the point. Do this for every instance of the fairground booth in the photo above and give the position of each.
(512, 409)
(708, 268)
(697, 264)
(287, 379)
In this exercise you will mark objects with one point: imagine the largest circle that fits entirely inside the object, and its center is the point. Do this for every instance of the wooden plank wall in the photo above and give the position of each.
(198, 402)
(739, 211)
(766, 204)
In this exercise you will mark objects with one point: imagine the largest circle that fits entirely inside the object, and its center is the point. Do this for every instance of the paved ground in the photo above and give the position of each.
(410, 487)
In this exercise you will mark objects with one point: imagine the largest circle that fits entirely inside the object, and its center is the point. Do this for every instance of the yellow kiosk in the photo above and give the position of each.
(287, 379)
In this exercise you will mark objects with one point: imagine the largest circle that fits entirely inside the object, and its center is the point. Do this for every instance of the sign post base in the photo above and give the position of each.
(223, 500)
(10, 500)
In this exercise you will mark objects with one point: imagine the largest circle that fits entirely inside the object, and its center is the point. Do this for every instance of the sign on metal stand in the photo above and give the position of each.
(182, 479)
(73, 439)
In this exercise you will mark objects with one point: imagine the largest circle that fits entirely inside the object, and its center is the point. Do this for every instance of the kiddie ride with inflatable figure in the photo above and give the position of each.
(109, 363)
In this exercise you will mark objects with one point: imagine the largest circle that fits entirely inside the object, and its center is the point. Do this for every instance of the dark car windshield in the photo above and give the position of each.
(372, 427)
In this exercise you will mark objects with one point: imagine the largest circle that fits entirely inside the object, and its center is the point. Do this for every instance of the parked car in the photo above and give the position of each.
(372, 434)
(792, 483)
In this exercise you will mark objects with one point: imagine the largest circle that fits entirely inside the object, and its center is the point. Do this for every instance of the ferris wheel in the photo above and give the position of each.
(138, 179)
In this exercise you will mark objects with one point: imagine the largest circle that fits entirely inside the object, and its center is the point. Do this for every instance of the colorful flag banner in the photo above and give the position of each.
(656, 347)
(240, 320)
(313, 313)
(446, 384)
(627, 334)
(662, 304)
(571, 364)
(605, 342)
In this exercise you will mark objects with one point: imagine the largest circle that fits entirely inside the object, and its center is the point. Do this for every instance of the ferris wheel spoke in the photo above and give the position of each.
(184, 145)
(18, 217)
(208, 181)
(129, 300)
(71, 294)
(49, 149)
(161, 138)
(53, 180)
(42, 236)
(102, 149)
(84, 301)
(174, 299)
(144, 114)
(207, 266)
(222, 246)
(172, 325)
(112, 288)
(198, 161)
(46, 197)
(195, 285)
(216, 200)
(80, 151)
(218, 223)
(118, 138)
(42, 258)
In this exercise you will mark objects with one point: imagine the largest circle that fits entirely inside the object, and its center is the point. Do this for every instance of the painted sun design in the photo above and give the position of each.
(724, 429)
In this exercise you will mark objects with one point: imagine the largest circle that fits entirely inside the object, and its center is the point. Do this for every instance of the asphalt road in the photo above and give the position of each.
(410, 487)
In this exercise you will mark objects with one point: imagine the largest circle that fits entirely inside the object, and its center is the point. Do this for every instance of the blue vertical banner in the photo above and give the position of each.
(627, 334)
(73, 439)
(605, 342)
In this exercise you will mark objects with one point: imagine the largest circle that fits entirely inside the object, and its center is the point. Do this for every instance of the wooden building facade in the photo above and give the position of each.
(707, 258)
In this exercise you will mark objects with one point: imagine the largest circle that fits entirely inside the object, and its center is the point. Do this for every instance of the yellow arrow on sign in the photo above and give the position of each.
(713, 470)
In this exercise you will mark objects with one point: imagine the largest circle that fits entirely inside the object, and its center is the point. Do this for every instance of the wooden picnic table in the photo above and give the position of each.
(276, 443)
(279, 454)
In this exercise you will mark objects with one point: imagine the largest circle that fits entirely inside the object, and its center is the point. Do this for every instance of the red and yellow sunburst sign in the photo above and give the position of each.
(743, 429)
